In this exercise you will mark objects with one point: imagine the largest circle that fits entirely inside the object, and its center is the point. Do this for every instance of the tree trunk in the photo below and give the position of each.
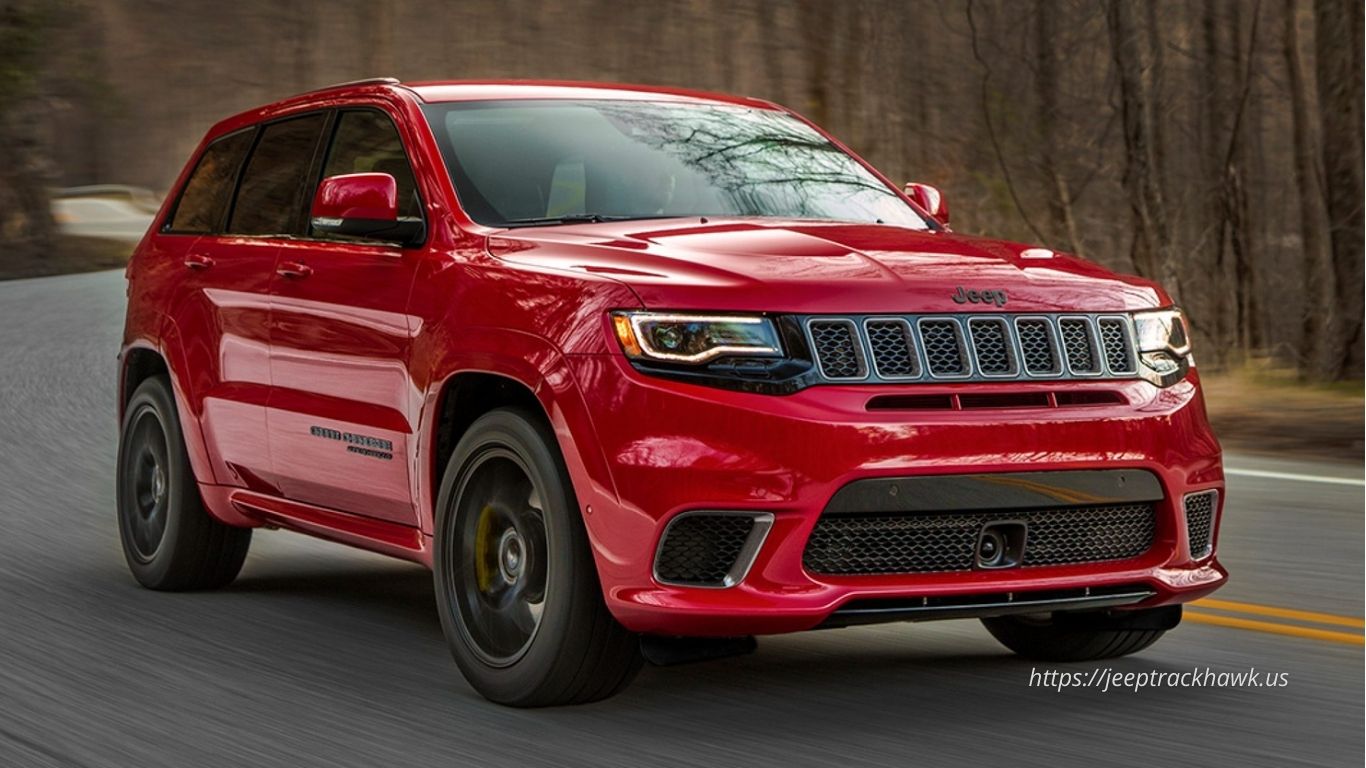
(1062, 224)
(1222, 304)
(377, 43)
(27, 230)
(816, 29)
(1317, 337)
(1235, 190)
(1152, 237)
(1337, 51)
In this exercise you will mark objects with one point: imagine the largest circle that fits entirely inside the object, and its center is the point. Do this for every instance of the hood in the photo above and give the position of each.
(808, 267)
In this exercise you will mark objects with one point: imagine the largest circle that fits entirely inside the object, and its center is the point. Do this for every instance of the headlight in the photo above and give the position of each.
(694, 339)
(1163, 346)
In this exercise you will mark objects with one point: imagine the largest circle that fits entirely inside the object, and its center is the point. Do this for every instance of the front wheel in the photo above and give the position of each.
(1082, 636)
(516, 588)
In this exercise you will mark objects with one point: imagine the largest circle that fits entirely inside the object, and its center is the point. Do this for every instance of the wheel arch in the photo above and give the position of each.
(142, 359)
(526, 372)
(138, 363)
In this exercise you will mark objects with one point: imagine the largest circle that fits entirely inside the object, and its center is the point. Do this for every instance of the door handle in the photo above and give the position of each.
(294, 270)
(198, 261)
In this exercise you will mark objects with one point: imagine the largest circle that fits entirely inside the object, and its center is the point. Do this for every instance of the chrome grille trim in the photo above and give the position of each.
(959, 347)
(817, 328)
(893, 370)
(1051, 343)
(1091, 363)
(1120, 355)
(932, 347)
(985, 344)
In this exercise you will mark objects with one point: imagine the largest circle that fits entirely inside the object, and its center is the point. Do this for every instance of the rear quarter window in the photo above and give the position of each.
(204, 201)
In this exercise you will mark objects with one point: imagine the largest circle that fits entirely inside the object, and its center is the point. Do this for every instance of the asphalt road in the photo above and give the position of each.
(324, 656)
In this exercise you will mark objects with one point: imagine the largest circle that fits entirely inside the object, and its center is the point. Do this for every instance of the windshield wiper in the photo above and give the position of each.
(576, 218)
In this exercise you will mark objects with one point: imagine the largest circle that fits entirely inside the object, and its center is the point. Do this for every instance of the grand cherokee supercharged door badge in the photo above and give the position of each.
(374, 447)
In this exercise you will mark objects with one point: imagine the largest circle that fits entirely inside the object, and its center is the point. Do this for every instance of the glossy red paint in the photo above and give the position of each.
(371, 196)
(930, 199)
(285, 352)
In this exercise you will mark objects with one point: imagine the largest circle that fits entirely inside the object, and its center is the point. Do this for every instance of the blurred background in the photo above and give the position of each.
(1215, 145)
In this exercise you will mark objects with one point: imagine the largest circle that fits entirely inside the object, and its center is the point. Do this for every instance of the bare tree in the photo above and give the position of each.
(1062, 221)
(26, 225)
(1338, 59)
(1159, 136)
(1316, 348)
(1152, 248)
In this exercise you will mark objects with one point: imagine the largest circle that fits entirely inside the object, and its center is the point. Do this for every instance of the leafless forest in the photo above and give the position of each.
(1214, 145)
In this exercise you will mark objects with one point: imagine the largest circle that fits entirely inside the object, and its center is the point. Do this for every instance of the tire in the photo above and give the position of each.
(1082, 637)
(169, 540)
(516, 587)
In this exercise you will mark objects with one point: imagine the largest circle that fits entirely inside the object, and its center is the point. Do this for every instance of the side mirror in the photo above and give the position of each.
(362, 205)
(929, 199)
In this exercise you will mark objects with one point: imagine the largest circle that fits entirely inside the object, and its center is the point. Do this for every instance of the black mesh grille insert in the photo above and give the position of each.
(920, 543)
(701, 549)
(943, 347)
(1115, 343)
(992, 347)
(1076, 340)
(893, 353)
(1200, 522)
(1036, 342)
(966, 347)
(837, 349)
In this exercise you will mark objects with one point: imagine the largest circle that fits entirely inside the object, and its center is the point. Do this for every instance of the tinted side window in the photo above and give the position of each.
(366, 141)
(269, 197)
(205, 199)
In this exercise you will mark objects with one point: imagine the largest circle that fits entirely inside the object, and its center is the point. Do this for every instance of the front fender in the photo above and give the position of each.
(535, 364)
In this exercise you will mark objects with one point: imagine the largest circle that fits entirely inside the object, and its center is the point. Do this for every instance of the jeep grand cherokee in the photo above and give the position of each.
(643, 372)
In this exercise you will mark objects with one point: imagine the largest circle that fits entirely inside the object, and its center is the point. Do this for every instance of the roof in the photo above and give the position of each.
(490, 90)
(480, 90)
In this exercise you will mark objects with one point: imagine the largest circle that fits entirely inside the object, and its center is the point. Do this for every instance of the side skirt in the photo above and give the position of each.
(367, 533)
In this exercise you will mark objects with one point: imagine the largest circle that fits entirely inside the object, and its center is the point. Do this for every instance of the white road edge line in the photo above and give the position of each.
(1295, 476)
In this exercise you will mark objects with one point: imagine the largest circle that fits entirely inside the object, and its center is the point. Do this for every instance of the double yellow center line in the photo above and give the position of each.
(1279, 621)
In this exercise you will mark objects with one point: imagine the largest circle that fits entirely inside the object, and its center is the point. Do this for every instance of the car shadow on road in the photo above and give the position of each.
(397, 594)
(869, 673)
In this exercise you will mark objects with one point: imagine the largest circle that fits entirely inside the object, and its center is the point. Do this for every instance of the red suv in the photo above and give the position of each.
(641, 372)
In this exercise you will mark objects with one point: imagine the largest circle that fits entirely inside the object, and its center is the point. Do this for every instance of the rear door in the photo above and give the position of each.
(218, 315)
(343, 406)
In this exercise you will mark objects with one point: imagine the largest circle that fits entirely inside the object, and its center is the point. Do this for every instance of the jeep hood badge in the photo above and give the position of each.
(964, 296)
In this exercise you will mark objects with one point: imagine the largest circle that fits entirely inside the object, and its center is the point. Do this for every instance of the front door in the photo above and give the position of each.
(343, 407)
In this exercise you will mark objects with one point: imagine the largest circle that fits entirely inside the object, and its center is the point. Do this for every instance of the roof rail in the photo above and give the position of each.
(352, 83)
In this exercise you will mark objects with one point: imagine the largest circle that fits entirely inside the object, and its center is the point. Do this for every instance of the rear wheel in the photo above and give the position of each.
(516, 588)
(1081, 636)
(169, 541)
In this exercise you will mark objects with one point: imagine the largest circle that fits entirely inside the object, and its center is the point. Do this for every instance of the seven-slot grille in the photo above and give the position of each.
(865, 544)
(1200, 522)
(972, 347)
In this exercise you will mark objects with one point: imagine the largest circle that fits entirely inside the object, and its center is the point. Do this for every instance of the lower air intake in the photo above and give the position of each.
(866, 544)
(1200, 522)
(703, 549)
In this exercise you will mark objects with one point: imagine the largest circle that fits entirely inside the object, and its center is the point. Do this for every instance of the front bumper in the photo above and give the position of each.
(673, 448)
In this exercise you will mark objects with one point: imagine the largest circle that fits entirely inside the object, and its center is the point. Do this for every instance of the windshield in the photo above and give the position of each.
(522, 163)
